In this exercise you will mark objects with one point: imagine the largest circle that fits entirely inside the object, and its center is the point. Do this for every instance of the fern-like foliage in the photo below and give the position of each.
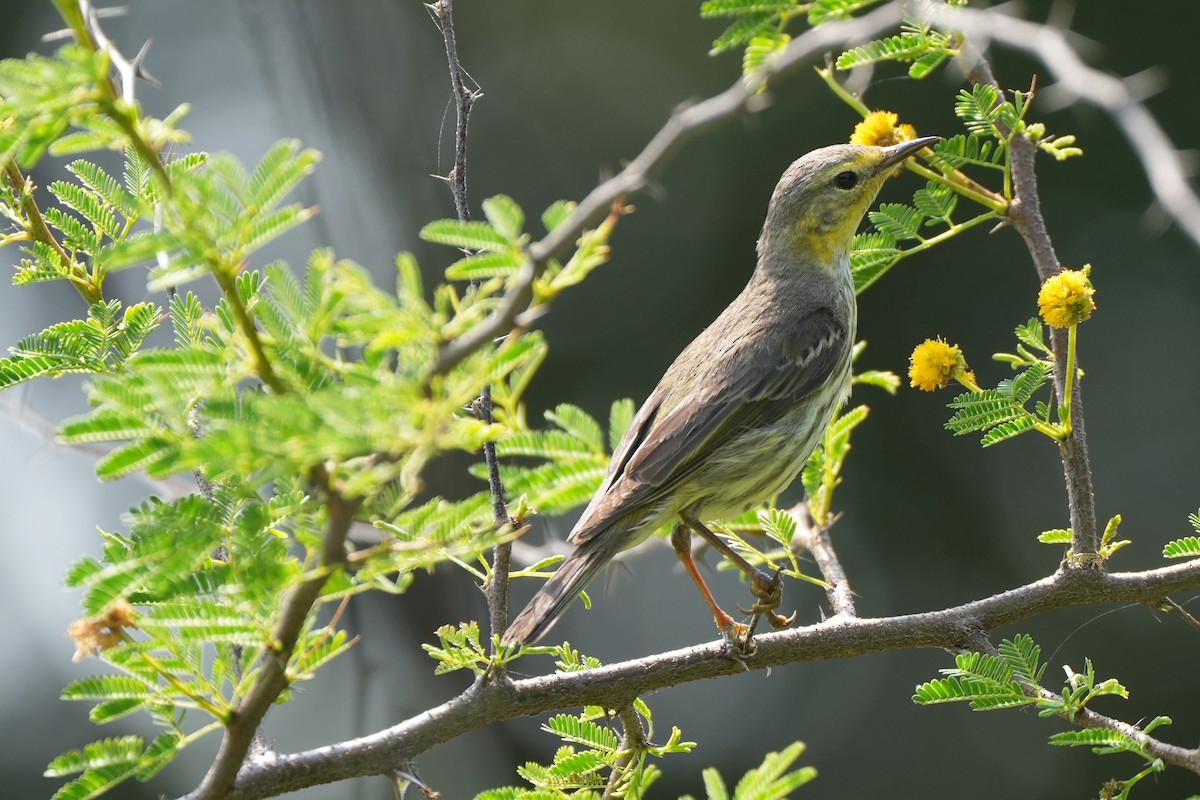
(918, 44)
(591, 757)
(1188, 546)
(774, 779)
(1001, 413)
(1013, 678)
(101, 343)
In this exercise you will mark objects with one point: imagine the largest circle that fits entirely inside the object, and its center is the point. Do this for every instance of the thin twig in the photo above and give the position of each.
(39, 231)
(497, 587)
(742, 97)
(816, 540)
(633, 740)
(616, 685)
(1161, 161)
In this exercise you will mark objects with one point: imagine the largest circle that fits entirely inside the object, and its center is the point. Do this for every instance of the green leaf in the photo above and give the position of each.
(577, 422)
(106, 186)
(977, 411)
(557, 214)
(1025, 384)
(740, 8)
(481, 266)
(88, 205)
(1007, 430)
(960, 151)
(1102, 740)
(1055, 536)
(823, 11)
(742, 31)
(100, 754)
(109, 710)
(279, 171)
(935, 201)
(584, 732)
(1187, 547)
(1022, 654)
(467, 235)
(873, 254)
(505, 216)
(923, 46)
(983, 110)
(106, 687)
(898, 221)
(926, 64)
(139, 455)
(772, 780)
(761, 49)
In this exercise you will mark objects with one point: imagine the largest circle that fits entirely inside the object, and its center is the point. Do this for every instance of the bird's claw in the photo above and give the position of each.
(739, 643)
(769, 593)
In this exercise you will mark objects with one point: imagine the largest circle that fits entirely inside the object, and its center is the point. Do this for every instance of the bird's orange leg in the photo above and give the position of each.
(735, 634)
(767, 589)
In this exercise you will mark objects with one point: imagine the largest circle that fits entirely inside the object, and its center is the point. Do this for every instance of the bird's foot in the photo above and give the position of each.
(739, 642)
(768, 591)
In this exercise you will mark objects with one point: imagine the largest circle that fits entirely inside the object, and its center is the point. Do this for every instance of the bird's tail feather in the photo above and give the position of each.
(572, 577)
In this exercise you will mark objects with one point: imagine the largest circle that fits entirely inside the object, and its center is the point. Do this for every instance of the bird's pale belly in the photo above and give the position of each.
(759, 464)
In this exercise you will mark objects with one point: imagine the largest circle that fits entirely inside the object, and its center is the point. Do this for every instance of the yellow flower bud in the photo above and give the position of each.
(934, 364)
(1066, 299)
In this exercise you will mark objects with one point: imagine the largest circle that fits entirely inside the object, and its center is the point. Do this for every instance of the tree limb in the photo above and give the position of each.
(616, 685)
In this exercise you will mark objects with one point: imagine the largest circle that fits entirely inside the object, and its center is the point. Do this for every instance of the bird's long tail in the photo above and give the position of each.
(573, 575)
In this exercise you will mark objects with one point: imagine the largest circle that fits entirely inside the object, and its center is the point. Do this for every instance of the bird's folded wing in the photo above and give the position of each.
(661, 449)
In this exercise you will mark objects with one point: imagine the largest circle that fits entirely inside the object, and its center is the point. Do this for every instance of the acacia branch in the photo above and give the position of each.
(685, 122)
(442, 12)
(816, 540)
(1167, 173)
(617, 685)
(272, 664)
(1025, 214)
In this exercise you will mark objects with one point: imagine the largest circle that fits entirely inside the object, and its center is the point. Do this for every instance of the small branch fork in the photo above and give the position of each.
(816, 540)
(442, 12)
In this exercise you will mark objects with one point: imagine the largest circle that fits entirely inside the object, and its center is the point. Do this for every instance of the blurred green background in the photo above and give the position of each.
(571, 90)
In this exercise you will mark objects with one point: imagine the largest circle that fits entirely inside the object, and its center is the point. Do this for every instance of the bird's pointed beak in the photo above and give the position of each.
(894, 154)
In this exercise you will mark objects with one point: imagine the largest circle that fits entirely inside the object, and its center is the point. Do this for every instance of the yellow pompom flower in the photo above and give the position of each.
(1066, 299)
(880, 129)
(934, 364)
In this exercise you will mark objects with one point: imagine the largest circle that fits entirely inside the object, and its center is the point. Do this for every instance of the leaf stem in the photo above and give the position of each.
(37, 230)
(1068, 383)
(262, 365)
(961, 184)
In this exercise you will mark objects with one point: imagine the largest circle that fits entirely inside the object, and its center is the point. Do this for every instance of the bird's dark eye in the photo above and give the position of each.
(845, 180)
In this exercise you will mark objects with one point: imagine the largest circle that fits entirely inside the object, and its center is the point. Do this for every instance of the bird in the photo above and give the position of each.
(738, 413)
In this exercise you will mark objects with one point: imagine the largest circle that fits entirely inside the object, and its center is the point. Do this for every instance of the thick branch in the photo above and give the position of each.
(616, 685)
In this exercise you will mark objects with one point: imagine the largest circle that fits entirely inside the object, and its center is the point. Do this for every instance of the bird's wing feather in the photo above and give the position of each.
(661, 449)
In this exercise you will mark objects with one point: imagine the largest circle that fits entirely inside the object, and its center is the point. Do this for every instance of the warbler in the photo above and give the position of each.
(736, 416)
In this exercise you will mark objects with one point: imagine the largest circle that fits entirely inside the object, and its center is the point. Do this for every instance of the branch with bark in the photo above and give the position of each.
(616, 685)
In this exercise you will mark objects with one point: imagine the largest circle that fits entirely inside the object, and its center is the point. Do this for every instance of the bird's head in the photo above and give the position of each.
(821, 199)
